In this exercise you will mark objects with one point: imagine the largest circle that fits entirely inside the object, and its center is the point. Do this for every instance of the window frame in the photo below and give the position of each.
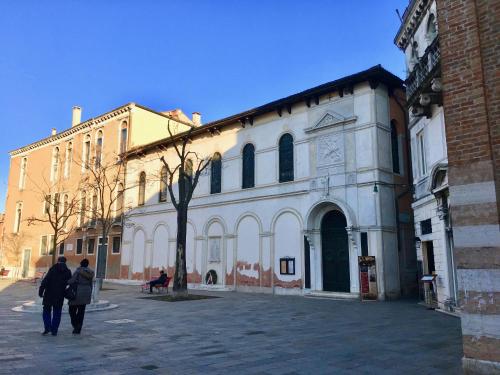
(99, 142)
(163, 190)
(422, 162)
(93, 241)
(247, 178)
(216, 170)
(141, 199)
(113, 238)
(286, 163)
(79, 241)
(68, 159)
(22, 173)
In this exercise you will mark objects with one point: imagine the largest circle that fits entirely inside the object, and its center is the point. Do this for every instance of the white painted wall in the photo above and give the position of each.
(259, 225)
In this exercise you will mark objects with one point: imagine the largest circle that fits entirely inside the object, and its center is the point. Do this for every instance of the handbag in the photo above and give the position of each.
(71, 290)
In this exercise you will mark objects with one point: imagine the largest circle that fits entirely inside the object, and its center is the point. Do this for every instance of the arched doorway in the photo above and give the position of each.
(335, 252)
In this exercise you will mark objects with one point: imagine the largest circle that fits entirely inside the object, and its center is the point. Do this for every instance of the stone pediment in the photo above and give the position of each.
(330, 119)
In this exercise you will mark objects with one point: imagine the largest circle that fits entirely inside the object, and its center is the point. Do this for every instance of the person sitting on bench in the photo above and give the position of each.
(159, 281)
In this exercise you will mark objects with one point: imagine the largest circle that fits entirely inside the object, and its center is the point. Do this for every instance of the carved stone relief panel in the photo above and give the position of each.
(330, 149)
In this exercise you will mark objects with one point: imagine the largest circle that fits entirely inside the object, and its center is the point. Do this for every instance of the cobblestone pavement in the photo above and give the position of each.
(236, 334)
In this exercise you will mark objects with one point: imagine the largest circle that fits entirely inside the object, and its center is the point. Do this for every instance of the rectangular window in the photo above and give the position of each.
(52, 245)
(426, 226)
(364, 244)
(90, 246)
(116, 245)
(287, 266)
(61, 248)
(79, 246)
(421, 154)
(43, 245)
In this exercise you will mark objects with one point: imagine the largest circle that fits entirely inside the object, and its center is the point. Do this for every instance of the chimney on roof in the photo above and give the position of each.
(77, 116)
(54, 131)
(196, 118)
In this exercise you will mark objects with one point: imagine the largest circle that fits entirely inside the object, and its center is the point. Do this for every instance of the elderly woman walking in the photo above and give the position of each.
(82, 279)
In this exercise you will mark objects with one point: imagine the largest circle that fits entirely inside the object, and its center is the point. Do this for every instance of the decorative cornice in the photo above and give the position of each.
(411, 20)
(75, 129)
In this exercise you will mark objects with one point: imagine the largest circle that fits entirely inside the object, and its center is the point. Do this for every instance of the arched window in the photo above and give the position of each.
(86, 152)
(286, 158)
(395, 147)
(55, 163)
(93, 222)
(65, 208)
(216, 174)
(248, 178)
(98, 149)
(123, 137)
(19, 213)
(83, 209)
(163, 194)
(22, 173)
(142, 188)
(431, 27)
(414, 51)
(188, 169)
(68, 160)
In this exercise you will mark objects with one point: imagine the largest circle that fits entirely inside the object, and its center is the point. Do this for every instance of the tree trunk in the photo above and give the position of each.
(180, 276)
(53, 245)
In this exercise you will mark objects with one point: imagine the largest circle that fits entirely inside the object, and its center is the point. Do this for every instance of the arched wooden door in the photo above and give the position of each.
(335, 252)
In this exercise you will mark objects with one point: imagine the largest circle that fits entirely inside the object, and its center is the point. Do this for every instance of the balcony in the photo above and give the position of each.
(425, 70)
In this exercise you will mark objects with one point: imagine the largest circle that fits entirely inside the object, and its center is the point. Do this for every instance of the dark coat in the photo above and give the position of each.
(83, 277)
(161, 279)
(53, 285)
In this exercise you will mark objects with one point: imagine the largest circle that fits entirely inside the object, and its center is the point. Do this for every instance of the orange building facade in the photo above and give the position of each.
(48, 176)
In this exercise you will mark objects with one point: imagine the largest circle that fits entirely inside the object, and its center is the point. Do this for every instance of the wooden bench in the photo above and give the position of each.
(4, 273)
(158, 287)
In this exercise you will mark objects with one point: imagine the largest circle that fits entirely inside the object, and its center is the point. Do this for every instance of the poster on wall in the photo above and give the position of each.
(367, 278)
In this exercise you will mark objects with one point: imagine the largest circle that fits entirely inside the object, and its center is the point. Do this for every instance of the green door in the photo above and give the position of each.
(335, 252)
(26, 263)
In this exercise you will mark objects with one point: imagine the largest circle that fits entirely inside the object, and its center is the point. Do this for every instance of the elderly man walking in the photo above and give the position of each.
(52, 290)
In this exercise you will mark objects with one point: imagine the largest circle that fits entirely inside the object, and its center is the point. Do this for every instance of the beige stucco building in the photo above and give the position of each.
(53, 168)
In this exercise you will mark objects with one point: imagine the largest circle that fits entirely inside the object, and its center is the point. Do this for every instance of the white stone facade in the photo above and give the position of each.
(429, 157)
(341, 147)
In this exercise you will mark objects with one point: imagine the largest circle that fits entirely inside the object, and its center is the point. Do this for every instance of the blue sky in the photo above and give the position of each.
(215, 57)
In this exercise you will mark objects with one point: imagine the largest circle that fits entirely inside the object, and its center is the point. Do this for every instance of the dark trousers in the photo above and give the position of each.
(153, 283)
(52, 318)
(77, 313)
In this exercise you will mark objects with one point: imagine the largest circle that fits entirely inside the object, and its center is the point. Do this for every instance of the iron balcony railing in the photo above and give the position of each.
(424, 70)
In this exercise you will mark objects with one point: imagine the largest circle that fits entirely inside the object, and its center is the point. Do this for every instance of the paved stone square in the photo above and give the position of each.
(237, 334)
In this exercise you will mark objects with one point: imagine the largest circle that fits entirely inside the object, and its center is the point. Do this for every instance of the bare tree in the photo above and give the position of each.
(187, 168)
(105, 184)
(60, 207)
(12, 248)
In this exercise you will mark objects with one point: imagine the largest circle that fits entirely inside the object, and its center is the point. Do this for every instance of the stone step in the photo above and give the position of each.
(332, 295)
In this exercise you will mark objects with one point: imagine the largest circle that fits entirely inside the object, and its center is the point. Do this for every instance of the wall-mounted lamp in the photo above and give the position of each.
(375, 188)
